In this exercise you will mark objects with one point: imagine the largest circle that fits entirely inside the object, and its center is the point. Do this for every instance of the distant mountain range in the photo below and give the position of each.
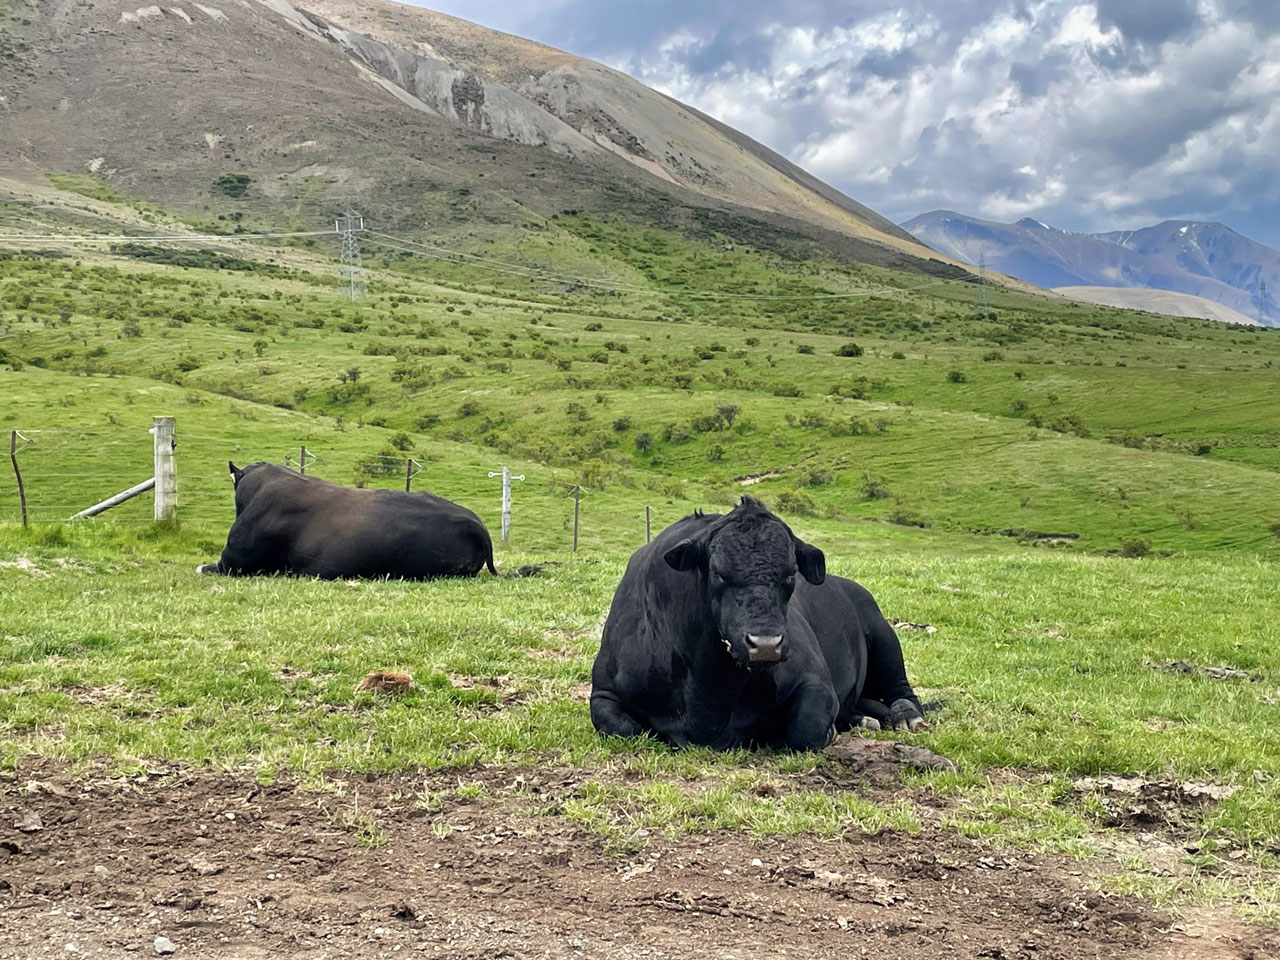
(1206, 260)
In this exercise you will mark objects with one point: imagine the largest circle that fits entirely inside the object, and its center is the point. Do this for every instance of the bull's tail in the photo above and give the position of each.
(488, 558)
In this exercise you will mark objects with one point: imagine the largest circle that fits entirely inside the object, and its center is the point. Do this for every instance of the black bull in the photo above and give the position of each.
(290, 523)
(713, 640)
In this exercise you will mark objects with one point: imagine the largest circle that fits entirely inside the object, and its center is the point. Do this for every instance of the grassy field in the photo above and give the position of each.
(929, 452)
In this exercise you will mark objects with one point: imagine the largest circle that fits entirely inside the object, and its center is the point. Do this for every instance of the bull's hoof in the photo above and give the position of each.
(869, 723)
(207, 568)
(907, 716)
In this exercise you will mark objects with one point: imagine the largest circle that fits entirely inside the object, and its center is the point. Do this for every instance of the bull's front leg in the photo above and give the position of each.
(611, 718)
(811, 720)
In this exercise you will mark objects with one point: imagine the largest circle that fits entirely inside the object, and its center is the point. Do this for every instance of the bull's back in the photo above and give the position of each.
(332, 531)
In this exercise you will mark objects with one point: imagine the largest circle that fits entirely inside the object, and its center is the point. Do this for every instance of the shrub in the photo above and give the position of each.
(622, 424)
(1135, 547)
(402, 441)
(593, 326)
(992, 355)
(849, 349)
(468, 408)
(957, 376)
(233, 184)
(386, 463)
(644, 441)
(1069, 423)
(715, 453)
(813, 477)
(804, 348)
(874, 487)
(897, 355)
(795, 502)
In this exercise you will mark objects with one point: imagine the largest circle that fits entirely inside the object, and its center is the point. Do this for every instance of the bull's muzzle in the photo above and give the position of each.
(764, 649)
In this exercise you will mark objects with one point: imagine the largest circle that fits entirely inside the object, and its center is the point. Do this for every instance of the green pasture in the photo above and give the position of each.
(1073, 496)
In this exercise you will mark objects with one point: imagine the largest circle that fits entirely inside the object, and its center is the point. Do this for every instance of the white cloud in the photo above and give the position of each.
(1151, 108)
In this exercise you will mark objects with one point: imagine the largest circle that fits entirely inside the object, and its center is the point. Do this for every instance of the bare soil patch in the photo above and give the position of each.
(223, 867)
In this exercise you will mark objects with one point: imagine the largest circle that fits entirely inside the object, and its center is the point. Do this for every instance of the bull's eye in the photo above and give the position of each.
(790, 582)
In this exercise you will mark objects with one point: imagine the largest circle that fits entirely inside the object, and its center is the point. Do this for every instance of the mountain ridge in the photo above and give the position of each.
(1197, 258)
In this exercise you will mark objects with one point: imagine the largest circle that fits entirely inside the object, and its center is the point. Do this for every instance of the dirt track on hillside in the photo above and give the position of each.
(224, 868)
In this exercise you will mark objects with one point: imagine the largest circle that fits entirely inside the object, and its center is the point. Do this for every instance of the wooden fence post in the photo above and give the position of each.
(302, 461)
(506, 500)
(166, 467)
(647, 534)
(13, 458)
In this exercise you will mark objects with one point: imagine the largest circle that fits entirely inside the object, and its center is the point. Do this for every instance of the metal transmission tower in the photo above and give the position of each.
(350, 269)
(982, 296)
(1264, 306)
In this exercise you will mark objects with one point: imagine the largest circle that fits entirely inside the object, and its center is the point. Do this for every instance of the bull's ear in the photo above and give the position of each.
(236, 472)
(811, 562)
(685, 555)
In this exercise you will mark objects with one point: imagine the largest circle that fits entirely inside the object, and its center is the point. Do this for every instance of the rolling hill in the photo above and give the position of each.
(1207, 260)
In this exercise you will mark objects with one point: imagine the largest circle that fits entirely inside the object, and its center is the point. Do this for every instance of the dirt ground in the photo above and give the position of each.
(221, 867)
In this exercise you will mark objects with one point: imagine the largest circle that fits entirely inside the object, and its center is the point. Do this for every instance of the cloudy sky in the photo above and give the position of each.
(1087, 114)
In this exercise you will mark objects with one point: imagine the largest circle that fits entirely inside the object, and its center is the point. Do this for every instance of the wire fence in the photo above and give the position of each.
(63, 471)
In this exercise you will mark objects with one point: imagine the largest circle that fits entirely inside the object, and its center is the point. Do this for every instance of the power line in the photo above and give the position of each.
(174, 238)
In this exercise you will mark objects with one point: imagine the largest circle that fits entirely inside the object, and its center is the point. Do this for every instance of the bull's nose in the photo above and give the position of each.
(764, 649)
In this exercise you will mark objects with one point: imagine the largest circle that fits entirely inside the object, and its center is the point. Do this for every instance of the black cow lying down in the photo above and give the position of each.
(713, 640)
(290, 523)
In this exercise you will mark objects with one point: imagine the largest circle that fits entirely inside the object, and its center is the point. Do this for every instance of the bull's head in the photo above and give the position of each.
(748, 561)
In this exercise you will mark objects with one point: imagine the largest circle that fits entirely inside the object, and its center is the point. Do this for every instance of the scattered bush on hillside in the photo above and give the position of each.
(675, 432)
(622, 424)
(402, 441)
(992, 355)
(388, 462)
(233, 184)
(849, 349)
(795, 502)
(814, 477)
(874, 487)
(957, 376)
(853, 427)
(644, 442)
(855, 389)
(804, 348)
(1129, 439)
(1135, 547)
(1274, 527)
(1069, 423)
(469, 408)
(715, 453)
(897, 355)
